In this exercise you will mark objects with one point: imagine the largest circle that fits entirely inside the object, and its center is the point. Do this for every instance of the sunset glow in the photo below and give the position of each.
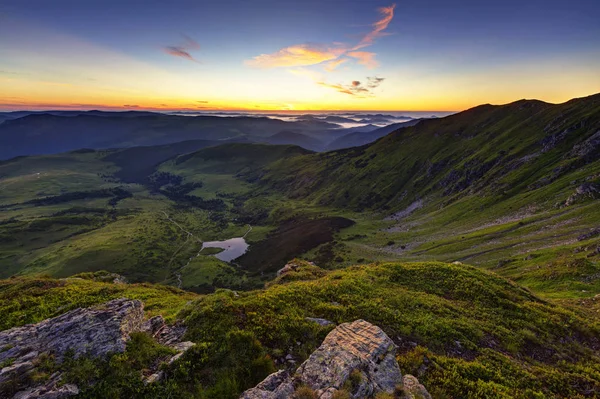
(367, 56)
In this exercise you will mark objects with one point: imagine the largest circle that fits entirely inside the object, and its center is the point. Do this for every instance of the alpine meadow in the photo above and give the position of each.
(314, 200)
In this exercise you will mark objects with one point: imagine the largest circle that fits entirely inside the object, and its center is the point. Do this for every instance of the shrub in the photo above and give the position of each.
(304, 392)
(341, 394)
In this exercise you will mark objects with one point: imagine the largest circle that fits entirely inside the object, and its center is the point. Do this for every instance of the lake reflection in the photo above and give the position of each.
(232, 248)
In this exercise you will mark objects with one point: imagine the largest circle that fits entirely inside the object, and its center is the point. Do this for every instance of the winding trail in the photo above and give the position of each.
(189, 236)
(178, 225)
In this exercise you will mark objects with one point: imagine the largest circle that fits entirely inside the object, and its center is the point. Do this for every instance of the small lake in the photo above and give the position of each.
(232, 248)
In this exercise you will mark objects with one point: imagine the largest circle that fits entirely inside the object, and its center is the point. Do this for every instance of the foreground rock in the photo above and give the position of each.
(94, 332)
(413, 389)
(357, 356)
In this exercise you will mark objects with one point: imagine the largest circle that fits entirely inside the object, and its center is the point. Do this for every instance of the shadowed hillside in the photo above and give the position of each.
(495, 152)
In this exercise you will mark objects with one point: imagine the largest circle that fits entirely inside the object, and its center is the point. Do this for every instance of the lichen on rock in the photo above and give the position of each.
(357, 351)
(95, 332)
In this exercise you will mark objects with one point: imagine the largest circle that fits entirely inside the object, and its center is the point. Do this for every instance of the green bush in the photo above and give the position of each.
(304, 392)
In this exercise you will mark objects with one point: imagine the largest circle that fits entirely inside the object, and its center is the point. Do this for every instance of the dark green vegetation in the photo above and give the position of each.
(513, 190)
(137, 163)
(464, 332)
(295, 236)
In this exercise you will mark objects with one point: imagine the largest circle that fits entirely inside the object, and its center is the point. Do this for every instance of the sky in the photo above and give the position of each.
(262, 55)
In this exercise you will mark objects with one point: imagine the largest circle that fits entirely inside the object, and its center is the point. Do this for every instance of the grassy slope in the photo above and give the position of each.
(489, 185)
(415, 162)
(25, 300)
(464, 332)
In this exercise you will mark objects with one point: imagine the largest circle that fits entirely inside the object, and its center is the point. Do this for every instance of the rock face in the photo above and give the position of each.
(50, 390)
(321, 322)
(584, 191)
(162, 332)
(94, 332)
(289, 267)
(413, 389)
(278, 385)
(588, 150)
(358, 349)
(353, 346)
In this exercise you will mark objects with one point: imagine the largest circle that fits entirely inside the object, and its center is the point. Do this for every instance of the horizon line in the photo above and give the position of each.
(189, 110)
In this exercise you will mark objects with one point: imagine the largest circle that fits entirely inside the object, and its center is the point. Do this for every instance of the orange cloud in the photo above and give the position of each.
(297, 55)
(312, 54)
(365, 58)
(332, 65)
(378, 27)
(338, 87)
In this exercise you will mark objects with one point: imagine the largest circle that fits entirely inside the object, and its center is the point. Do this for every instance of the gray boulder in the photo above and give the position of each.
(278, 385)
(357, 348)
(93, 331)
(584, 191)
(413, 389)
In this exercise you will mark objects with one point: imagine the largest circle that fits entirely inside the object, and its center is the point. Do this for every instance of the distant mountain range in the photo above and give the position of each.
(356, 139)
(48, 132)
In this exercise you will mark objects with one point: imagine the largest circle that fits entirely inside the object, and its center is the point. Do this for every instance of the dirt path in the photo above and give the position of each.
(189, 236)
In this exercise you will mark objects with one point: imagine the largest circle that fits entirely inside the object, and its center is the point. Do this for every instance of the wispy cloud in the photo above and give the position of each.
(12, 73)
(365, 58)
(332, 65)
(387, 14)
(183, 50)
(374, 81)
(356, 88)
(297, 55)
(312, 54)
(338, 87)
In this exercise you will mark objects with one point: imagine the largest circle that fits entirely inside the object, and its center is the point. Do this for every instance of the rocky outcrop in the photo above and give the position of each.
(413, 389)
(591, 234)
(278, 385)
(588, 150)
(52, 389)
(584, 191)
(163, 333)
(357, 356)
(358, 346)
(94, 332)
(291, 267)
(319, 321)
